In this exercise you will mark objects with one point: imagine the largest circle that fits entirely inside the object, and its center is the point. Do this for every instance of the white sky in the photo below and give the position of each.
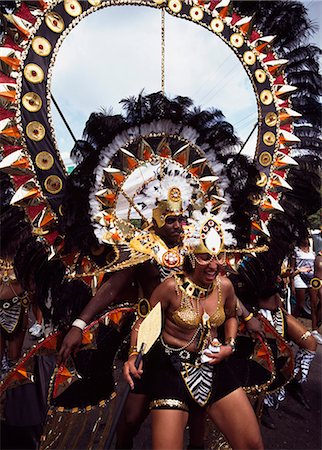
(116, 52)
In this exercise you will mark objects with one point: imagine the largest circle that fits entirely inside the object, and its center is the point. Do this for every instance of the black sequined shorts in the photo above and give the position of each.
(172, 390)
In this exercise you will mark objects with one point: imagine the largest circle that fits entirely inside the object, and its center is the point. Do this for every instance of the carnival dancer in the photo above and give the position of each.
(264, 298)
(303, 260)
(165, 235)
(293, 331)
(14, 302)
(189, 362)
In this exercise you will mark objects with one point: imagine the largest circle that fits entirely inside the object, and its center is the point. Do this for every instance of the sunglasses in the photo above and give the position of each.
(205, 258)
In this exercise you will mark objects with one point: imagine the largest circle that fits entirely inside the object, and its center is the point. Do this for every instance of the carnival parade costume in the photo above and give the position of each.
(159, 150)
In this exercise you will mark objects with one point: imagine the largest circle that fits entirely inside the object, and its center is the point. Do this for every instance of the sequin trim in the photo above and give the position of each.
(168, 403)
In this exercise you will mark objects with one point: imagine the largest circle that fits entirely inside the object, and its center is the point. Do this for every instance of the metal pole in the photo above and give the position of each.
(249, 136)
(64, 120)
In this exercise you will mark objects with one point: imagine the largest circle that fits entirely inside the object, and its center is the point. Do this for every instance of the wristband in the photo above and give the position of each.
(79, 323)
(247, 318)
(133, 348)
(231, 343)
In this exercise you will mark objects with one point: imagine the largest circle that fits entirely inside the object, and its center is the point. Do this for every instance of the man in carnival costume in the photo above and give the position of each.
(161, 244)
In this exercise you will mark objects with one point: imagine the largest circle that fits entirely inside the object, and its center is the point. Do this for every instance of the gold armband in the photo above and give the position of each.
(133, 354)
(249, 317)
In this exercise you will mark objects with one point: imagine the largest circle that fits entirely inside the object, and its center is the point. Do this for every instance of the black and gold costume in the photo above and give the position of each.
(180, 380)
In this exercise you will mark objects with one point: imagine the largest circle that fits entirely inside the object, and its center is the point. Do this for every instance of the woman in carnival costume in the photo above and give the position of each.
(257, 283)
(189, 362)
(14, 300)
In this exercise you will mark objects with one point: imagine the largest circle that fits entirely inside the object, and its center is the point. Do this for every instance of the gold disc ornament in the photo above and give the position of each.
(266, 97)
(34, 73)
(175, 5)
(73, 7)
(41, 46)
(196, 13)
(265, 159)
(237, 40)
(260, 75)
(44, 160)
(217, 25)
(35, 131)
(262, 180)
(249, 58)
(269, 138)
(32, 102)
(54, 22)
(271, 119)
(53, 184)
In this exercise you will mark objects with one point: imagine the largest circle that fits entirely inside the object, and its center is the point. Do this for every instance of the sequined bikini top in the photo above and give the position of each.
(187, 316)
(7, 275)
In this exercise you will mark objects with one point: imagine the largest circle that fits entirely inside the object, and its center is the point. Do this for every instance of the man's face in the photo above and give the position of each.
(171, 232)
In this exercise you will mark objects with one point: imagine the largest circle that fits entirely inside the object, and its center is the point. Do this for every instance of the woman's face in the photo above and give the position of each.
(206, 269)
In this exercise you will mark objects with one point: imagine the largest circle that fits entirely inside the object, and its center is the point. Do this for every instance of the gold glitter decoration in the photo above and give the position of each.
(95, 2)
(54, 22)
(33, 73)
(53, 184)
(73, 7)
(196, 13)
(237, 40)
(265, 159)
(217, 25)
(175, 5)
(44, 160)
(266, 97)
(159, 2)
(32, 102)
(249, 58)
(35, 131)
(271, 119)
(41, 46)
(260, 75)
(269, 138)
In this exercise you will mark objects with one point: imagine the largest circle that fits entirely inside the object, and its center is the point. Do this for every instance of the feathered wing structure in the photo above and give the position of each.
(289, 24)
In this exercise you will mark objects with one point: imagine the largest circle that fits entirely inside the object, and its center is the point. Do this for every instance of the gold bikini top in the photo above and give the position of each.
(7, 275)
(186, 315)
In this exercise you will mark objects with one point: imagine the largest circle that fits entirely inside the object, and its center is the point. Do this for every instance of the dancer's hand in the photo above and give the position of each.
(216, 358)
(71, 344)
(129, 370)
